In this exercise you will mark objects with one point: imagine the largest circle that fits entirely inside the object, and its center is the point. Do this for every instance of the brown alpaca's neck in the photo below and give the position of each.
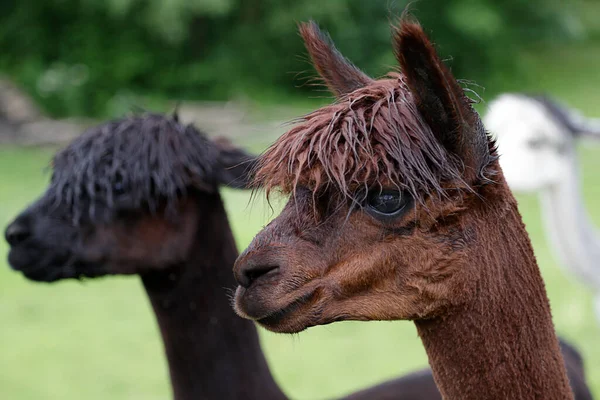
(212, 353)
(502, 344)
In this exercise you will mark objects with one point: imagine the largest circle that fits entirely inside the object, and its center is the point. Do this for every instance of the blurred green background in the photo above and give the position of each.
(92, 58)
(97, 339)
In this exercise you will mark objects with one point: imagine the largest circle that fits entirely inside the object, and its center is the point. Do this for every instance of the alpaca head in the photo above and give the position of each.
(125, 197)
(385, 189)
(535, 148)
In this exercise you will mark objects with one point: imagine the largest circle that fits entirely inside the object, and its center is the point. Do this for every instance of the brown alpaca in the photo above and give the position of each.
(398, 210)
(140, 196)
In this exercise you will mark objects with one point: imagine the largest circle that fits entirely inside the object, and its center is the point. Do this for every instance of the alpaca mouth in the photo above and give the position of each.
(289, 318)
(42, 266)
(35, 263)
(43, 274)
(57, 272)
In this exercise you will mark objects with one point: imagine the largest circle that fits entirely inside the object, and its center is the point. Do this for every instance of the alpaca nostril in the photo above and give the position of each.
(252, 273)
(16, 233)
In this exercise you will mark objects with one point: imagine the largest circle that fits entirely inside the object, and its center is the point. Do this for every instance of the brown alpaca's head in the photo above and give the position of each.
(383, 185)
(125, 197)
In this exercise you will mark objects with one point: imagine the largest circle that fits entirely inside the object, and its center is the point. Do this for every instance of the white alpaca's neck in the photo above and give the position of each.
(568, 226)
(572, 235)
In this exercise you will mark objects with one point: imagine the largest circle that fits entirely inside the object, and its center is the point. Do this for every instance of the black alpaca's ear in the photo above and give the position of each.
(339, 74)
(440, 99)
(235, 165)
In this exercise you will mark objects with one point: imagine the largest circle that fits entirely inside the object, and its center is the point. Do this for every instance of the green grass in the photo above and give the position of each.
(98, 340)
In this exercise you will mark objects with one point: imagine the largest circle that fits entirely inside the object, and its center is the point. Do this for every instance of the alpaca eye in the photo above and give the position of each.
(118, 188)
(537, 143)
(387, 202)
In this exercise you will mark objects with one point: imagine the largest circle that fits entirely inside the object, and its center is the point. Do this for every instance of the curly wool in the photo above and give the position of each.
(374, 137)
(142, 160)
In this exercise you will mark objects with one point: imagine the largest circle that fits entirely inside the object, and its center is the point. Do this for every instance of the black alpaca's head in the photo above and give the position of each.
(125, 197)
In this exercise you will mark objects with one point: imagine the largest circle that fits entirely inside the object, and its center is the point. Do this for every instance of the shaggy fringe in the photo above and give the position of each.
(145, 160)
(372, 138)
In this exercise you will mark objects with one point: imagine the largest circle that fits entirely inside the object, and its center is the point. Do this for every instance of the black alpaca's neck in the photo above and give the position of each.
(502, 343)
(212, 353)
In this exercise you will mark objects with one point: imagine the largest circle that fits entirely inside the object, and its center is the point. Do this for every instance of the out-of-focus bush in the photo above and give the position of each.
(89, 57)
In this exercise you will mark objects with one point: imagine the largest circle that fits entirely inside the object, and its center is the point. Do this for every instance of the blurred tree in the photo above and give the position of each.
(89, 57)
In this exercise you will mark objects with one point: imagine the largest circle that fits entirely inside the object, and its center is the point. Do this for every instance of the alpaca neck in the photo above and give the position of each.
(212, 353)
(568, 227)
(501, 343)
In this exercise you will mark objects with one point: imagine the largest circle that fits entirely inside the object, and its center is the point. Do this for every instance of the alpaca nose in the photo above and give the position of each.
(248, 271)
(17, 232)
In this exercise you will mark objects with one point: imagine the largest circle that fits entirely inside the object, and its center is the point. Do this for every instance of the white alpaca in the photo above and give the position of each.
(536, 142)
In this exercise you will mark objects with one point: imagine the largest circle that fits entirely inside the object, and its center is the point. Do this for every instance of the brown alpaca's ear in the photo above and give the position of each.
(235, 165)
(440, 99)
(339, 74)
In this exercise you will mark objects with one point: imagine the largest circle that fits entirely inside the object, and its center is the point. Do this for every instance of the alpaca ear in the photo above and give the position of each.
(573, 120)
(235, 165)
(440, 100)
(339, 74)
(590, 128)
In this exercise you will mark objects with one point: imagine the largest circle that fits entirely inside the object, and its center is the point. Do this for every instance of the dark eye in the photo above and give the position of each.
(537, 143)
(387, 202)
(118, 184)
(118, 188)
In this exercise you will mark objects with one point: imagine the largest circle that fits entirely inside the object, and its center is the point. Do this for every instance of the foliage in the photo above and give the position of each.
(87, 57)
